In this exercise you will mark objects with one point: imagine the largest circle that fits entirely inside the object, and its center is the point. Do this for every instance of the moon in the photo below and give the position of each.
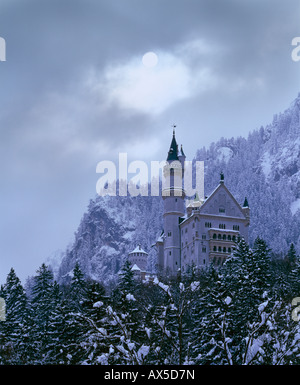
(150, 59)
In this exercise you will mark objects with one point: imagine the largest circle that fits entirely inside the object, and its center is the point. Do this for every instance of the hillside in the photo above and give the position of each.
(265, 168)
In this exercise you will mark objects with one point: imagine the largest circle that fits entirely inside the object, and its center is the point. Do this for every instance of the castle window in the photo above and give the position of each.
(236, 227)
(229, 237)
(224, 249)
(219, 236)
(203, 235)
(207, 224)
(215, 248)
(229, 249)
(222, 209)
(222, 226)
(233, 238)
(203, 249)
(203, 261)
(169, 234)
(170, 252)
(215, 236)
(220, 249)
(224, 237)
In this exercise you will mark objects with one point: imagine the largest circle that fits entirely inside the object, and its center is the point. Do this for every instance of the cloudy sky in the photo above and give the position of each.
(74, 90)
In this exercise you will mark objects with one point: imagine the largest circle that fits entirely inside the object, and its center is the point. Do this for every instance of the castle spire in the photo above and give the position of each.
(173, 152)
(221, 177)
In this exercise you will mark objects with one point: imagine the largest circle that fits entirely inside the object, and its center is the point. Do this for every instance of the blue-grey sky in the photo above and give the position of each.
(74, 91)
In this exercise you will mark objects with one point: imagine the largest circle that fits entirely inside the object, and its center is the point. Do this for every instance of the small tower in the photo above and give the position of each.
(246, 210)
(173, 198)
(138, 257)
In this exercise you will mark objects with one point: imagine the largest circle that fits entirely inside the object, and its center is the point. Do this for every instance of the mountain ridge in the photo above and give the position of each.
(265, 168)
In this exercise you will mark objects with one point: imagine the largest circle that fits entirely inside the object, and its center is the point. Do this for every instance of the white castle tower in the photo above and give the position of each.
(174, 209)
(138, 257)
(203, 233)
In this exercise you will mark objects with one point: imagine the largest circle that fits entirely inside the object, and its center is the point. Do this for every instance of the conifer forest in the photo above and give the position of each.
(242, 313)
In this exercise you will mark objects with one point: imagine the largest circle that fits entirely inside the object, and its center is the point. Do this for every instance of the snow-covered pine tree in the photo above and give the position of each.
(16, 315)
(44, 299)
(94, 321)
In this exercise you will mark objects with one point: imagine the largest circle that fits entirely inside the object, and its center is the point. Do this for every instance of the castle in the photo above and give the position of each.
(202, 232)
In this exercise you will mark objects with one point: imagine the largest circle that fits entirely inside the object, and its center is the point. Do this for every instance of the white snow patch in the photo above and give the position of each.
(143, 351)
(225, 153)
(266, 164)
(295, 206)
(98, 304)
(195, 285)
(130, 297)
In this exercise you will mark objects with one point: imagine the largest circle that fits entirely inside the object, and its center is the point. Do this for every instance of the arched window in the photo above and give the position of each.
(219, 236)
(224, 237)
(224, 249)
(229, 237)
(215, 236)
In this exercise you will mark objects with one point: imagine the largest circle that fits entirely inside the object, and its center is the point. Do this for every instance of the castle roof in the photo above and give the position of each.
(138, 249)
(173, 151)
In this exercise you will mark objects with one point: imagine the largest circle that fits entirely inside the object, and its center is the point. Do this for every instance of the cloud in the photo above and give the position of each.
(152, 90)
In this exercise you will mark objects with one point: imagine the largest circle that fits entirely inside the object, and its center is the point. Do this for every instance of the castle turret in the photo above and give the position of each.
(173, 197)
(139, 258)
(246, 210)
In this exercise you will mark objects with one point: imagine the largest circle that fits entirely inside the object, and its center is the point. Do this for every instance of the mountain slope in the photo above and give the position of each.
(265, 168)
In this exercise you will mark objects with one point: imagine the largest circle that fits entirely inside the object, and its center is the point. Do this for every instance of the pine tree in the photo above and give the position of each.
(77, 294)
(42, 304)
(16, 314)
(94, 323)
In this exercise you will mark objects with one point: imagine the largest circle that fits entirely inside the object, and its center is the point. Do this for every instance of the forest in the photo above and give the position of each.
(243, 313)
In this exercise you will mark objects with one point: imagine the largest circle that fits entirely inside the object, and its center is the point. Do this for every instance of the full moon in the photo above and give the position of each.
(150, 59)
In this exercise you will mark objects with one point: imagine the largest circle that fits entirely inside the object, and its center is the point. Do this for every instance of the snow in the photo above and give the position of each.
(161, 285)
(130, 297)
(195, 285)
(138, 249)
(262, 307)
(98, 304)
(225, 153)
(148, 332)
(295, 206)
(135, 268)
(143, 351)
(266, 164)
